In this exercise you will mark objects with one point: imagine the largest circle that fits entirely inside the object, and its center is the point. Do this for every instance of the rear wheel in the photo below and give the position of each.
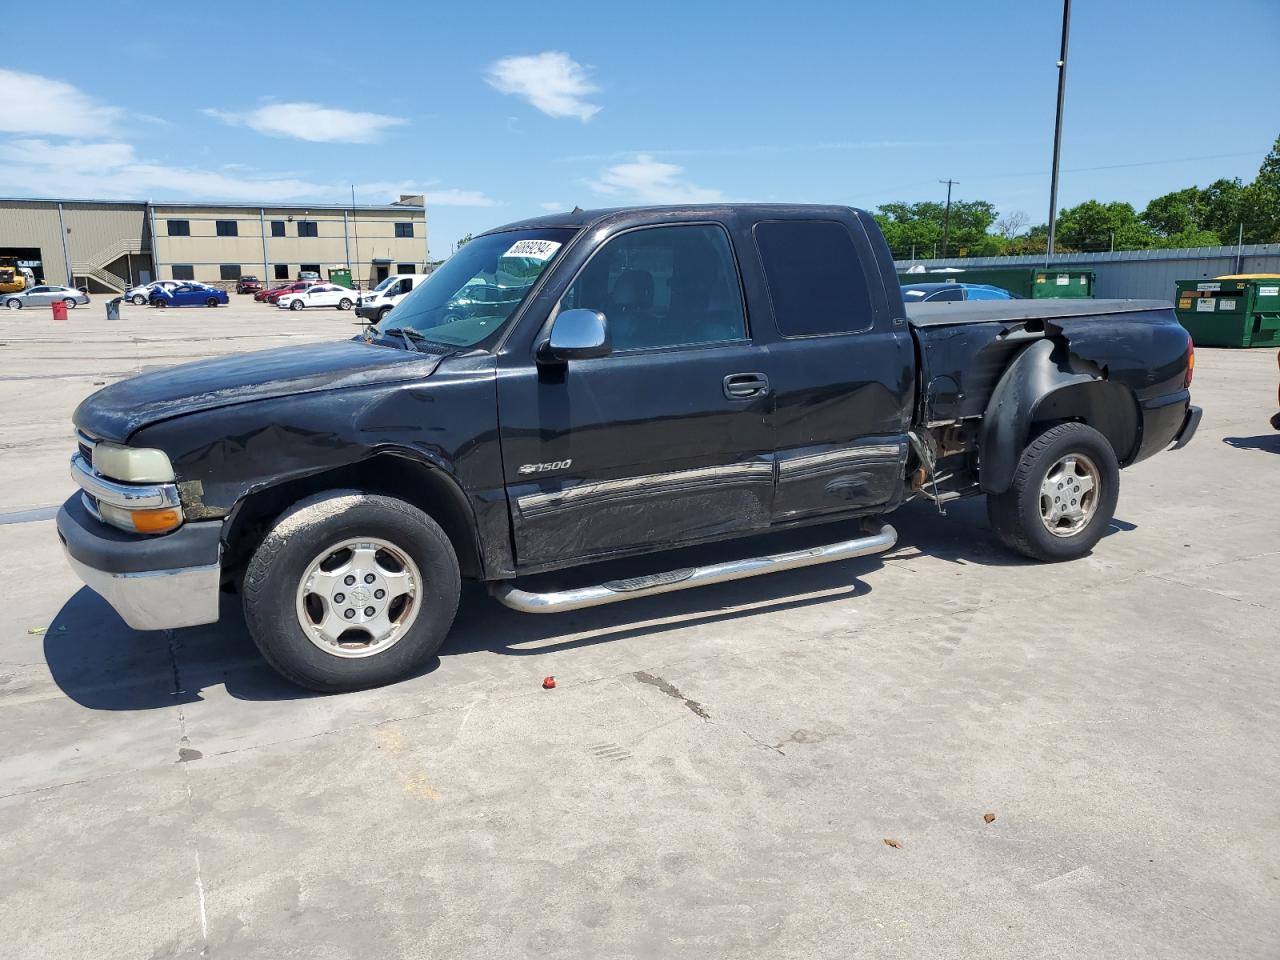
(71, 304)
(351, 590)
(344, 304)
(160, 303)
(139, 300)
(1062, 497)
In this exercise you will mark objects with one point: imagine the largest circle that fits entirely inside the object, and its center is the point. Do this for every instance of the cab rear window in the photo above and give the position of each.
(815, 277)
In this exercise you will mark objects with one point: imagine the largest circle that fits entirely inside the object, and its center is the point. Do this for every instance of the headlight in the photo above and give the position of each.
(142, 521)
(132, 464)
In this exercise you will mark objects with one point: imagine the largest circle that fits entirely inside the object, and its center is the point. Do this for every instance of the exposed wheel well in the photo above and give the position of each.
(1107, 407)
(412, 481)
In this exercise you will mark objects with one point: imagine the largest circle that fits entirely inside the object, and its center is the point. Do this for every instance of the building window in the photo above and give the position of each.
(308, 228)
(406, 268)
(404, 230)
(183, 271)
(282, 270)
(229, 271)
(277, 228)
(179, 228)
(309, 268)
(227, 228)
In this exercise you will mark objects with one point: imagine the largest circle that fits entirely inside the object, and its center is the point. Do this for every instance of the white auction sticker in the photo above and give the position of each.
(533, 249)
(1269, 291)
(1205, 305)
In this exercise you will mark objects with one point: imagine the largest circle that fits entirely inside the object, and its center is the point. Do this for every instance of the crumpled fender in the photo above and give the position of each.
(1032, 377)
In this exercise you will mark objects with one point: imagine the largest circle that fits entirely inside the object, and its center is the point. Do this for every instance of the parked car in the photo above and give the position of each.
(141, 294)
(189, 295)
(621, 406)
(319, 295)
(380, 301)
(248, 285)
(309, 275)
(262, 294)
(45, 294)
(296, 287)
(936, 292)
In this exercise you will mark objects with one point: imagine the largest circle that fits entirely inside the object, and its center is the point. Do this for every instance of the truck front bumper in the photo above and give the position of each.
(153, 582)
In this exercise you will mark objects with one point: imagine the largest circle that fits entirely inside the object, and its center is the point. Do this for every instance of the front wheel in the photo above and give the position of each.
(211, 302)
(344, 304)
(1062, 497)
(13, 304)
(296, 305)
(351, 590)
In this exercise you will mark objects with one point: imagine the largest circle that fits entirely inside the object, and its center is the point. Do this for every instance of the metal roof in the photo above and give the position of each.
(217, 204)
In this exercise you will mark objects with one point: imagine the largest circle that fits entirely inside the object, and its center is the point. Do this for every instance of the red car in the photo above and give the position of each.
(271, 296)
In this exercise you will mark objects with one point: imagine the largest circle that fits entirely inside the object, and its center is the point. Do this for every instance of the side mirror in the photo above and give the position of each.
(577, 335)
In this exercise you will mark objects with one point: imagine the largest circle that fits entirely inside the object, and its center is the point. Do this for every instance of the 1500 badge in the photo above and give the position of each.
(545, 467)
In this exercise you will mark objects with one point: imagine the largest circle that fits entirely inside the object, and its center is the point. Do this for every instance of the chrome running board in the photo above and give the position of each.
(612, 591)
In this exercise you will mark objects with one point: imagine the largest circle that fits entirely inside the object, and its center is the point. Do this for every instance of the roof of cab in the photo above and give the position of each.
(578, 218)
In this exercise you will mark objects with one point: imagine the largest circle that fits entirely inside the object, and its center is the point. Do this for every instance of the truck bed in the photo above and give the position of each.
(965, 347)
(989, 311)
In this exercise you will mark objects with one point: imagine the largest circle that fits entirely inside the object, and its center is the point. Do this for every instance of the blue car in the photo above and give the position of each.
(934, 292)
(188, 295)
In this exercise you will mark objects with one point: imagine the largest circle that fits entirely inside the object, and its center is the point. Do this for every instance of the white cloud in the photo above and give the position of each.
(459, 198)
(646, 180)
(113, 171)
(436, 196)
(38, 105)
(553, 205)
(311, 121)
(553, 82)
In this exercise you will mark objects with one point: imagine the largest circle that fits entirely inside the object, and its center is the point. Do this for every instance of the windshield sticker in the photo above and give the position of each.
(533, 249)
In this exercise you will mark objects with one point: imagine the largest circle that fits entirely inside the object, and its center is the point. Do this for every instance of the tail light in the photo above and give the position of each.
(1191, 361)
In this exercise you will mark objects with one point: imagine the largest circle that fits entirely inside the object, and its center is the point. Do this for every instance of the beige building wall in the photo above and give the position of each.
(98, 236)
(364, 238)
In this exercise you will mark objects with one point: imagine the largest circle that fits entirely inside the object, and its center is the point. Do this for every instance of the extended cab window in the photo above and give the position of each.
(815, 277)
(663, 287)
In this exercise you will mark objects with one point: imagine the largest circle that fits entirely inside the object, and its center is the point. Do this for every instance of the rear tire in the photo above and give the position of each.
(71, 304)
(344, 304)
(289, 616)
(1062, 497)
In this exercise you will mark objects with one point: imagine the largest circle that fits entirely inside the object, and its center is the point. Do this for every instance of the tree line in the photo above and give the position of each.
(1225, 211)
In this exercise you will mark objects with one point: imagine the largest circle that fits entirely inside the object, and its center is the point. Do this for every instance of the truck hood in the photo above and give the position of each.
(116, 412)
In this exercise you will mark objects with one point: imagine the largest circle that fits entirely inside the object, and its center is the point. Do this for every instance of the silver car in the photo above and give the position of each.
(44, 295)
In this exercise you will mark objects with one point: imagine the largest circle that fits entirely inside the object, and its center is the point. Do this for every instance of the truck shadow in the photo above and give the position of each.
(102, 664)
(1267, 442)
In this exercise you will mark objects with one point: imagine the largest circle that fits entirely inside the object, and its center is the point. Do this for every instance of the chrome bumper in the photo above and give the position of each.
(156, 599)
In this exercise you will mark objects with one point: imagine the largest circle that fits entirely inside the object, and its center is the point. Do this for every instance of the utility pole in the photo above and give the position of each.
(946, 219)
(1057, 129)
(355, 229)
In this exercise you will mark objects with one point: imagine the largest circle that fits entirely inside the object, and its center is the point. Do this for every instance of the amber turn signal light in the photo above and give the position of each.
(155, 521)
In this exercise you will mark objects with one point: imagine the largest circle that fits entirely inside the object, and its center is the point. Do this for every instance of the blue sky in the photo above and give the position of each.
(498, 111)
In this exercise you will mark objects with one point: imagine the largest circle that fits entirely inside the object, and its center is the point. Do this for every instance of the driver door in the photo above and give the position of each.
(666, 440)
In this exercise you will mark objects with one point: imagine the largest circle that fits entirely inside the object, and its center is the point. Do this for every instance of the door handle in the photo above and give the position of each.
(745, 386)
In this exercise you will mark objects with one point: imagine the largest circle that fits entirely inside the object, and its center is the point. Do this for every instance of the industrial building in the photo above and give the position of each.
(108, 245)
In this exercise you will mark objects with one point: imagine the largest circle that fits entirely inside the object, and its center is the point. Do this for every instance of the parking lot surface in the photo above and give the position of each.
(718, 773)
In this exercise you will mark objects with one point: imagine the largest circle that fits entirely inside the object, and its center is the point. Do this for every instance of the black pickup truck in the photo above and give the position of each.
(642, 379)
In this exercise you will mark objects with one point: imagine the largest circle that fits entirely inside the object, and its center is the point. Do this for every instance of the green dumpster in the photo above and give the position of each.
(1235, 311)
(341, 276)
(1030, 282)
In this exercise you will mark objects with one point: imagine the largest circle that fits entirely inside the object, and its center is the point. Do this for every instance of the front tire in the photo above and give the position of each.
(296, 305)
(211, 302)
(382, 314)
(351, 590)
(1062, 497)
(344, 304)
(13, 304)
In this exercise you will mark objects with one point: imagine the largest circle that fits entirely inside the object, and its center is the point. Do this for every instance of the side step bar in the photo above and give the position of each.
(614, 590)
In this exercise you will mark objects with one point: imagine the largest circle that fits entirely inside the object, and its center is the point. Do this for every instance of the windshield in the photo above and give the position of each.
(475, 292)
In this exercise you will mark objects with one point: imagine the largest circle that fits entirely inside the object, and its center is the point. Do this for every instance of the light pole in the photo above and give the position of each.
(946, 217)
(1057, 129)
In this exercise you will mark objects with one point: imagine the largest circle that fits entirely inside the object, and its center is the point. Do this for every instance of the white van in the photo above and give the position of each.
(377, 303)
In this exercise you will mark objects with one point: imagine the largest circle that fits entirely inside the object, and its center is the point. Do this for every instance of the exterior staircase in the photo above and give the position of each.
(95, 266)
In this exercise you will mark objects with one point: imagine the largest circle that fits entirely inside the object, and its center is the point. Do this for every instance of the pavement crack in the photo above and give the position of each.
(671, 690)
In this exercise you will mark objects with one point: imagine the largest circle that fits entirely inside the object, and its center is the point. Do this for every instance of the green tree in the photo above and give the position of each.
(462, 242)
(1260, 201)
(1093, 226)
(921, 225)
